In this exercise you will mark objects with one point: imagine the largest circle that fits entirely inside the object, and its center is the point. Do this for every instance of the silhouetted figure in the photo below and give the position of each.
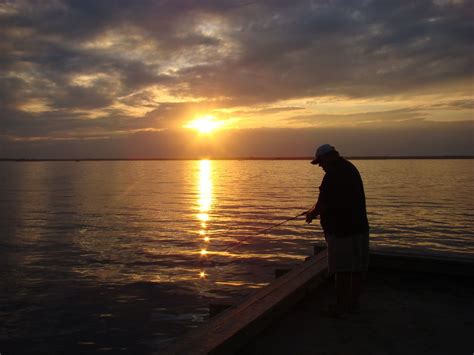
(341, 207)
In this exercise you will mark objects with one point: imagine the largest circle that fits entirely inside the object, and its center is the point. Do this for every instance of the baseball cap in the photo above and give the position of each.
(322, 150)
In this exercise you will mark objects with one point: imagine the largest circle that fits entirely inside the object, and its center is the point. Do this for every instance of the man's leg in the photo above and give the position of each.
(360, 262)
(343, 290)
(356, 286)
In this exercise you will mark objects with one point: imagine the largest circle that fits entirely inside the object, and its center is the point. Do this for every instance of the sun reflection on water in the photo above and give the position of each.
(204, 204)
(205, 185)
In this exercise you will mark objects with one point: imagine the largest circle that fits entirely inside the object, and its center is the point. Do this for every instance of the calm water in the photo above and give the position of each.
(125, 256)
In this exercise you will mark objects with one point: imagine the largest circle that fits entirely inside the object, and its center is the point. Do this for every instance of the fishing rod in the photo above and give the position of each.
(262, 231)
(209, 263)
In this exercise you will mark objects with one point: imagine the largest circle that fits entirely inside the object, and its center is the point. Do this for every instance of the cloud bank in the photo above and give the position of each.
(110, 71)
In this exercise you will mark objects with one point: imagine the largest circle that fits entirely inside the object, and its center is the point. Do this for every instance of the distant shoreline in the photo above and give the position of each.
(244, 158)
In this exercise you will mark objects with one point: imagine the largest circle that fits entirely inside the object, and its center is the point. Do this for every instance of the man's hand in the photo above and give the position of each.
(312, 213)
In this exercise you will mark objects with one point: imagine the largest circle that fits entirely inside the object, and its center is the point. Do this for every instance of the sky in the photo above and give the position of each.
(126, 79)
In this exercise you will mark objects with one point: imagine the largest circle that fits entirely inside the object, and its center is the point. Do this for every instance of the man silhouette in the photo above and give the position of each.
(342, 210)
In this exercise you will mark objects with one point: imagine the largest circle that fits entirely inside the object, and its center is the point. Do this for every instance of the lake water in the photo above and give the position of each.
(124, 256)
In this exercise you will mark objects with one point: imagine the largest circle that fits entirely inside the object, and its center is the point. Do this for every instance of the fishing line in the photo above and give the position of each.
(262, 231)
(210, 263)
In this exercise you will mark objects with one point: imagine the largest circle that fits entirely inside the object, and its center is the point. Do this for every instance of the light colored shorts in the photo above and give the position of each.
(350, 253)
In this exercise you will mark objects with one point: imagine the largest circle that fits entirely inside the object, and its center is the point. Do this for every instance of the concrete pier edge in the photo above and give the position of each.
(229, 330)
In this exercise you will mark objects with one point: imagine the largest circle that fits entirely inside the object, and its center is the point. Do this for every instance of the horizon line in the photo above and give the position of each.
(369, 157)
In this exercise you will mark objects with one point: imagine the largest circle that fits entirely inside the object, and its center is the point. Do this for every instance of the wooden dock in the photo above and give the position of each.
(283, 318)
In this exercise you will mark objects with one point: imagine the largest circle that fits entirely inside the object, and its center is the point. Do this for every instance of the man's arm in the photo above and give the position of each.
(321, 204)
(315, 211)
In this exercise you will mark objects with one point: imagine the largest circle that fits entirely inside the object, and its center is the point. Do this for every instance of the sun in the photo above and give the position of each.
(204, 124)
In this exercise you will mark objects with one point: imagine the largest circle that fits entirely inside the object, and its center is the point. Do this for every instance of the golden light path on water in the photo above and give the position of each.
(204, 204)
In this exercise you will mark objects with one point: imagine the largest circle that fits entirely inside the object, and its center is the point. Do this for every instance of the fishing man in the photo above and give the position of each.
(342, 211)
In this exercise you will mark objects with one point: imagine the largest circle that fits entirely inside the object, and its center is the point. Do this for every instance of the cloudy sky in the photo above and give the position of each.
(123, 78)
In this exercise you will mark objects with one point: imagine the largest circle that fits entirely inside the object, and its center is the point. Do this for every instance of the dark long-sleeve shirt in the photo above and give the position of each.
(342, 200)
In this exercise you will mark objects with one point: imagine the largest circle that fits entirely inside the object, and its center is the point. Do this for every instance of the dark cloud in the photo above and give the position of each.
(268, 111)
(455, 105)
(368, 118)
(10, 90)
(341, 48)
(62, 123)
(79, 97)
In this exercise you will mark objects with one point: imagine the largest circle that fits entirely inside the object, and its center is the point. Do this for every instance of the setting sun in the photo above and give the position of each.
(204, 124)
